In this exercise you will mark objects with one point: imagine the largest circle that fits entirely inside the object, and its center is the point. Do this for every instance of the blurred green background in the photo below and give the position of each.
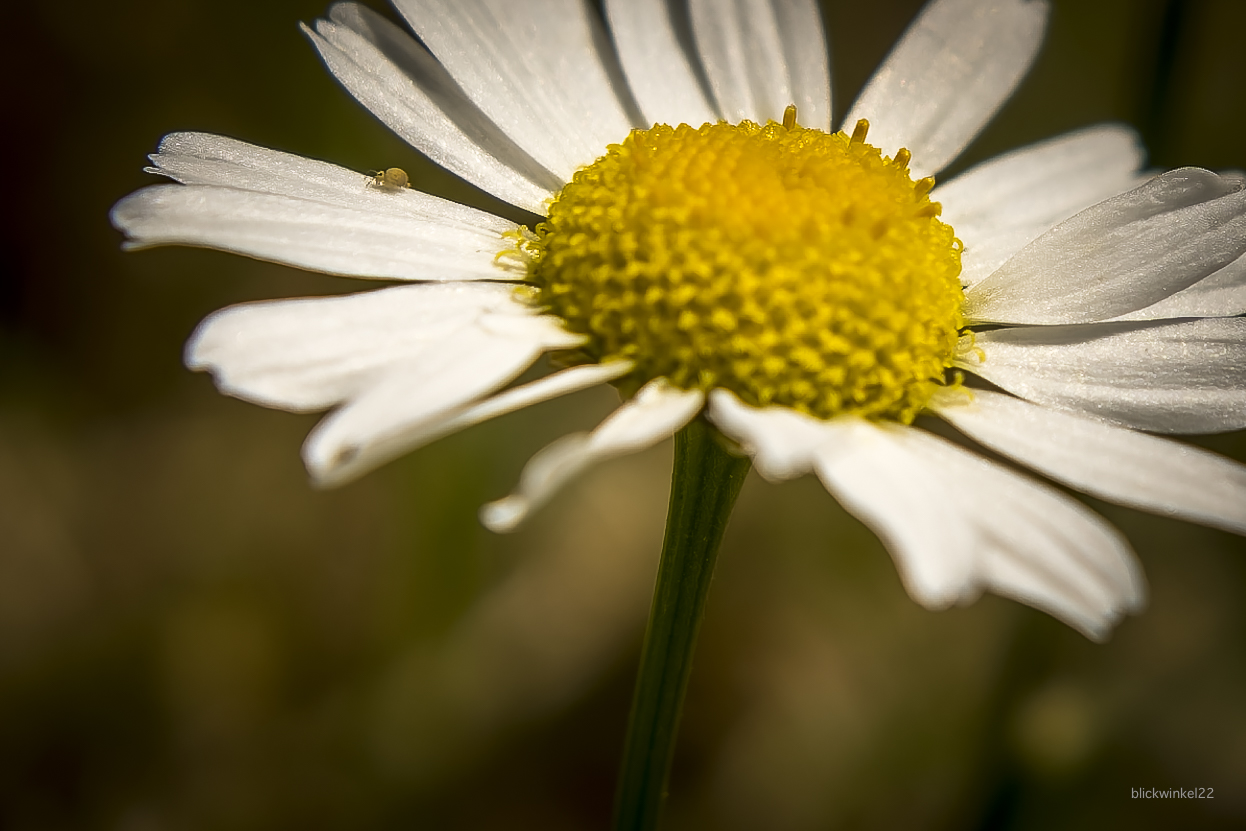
(193, 638)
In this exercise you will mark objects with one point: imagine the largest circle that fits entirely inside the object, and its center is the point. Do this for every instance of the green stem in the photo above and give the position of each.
(704, 486)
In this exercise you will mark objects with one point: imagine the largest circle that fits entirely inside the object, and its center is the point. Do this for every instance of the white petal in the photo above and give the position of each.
(406, 88)
(658, 71)
(205, 159)
(949, 74)
(1221, 294)
(312, 353)
(909, 505)
(1003, 204)
(1103, 460)
(289, 209)
(657, 412)
(808, 61)
(1184, 376)
(743, 56)
(365, 432)
(551, 386)
(1053, 178)
(956, 524)
(761, 56)
(780, 440)
(1120, 255)
(985, 253)
(312, 235)
(534, 68)
(400, 438)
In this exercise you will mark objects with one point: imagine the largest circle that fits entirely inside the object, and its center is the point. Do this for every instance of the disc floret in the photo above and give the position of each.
(790, 266)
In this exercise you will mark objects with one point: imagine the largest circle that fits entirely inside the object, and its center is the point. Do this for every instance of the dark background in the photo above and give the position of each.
(192, 638)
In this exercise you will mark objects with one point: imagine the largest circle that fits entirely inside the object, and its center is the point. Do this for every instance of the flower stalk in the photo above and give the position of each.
(704, 486)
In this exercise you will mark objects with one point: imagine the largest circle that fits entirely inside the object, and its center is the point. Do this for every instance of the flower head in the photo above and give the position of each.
(809, 291)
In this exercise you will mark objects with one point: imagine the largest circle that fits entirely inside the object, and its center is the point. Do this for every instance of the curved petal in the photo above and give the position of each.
(1120, 255)
(396, 79)
(956, 524)
(657, 412)
(312, 353)
(906, 503)
(1053, 178)
(366, 431)
(420, 430)
(281, 207)
(658, 70)
(206, 159)
(1221, 294)
(780, 440)
(334, 240)
(762, 55)
(560, 383)
(1134, 469)
(948, 75)
(1183, 376)
(1001, 205)
(534, 69)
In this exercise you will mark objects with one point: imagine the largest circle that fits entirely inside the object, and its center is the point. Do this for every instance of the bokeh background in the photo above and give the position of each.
(193, 638)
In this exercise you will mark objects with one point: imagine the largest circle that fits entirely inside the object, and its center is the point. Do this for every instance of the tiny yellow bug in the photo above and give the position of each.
(391, 180)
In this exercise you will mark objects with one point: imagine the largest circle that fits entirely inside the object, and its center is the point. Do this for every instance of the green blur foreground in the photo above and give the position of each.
(193, 638)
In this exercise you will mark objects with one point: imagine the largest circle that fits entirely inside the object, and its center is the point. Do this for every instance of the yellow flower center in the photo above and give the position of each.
(789, 266)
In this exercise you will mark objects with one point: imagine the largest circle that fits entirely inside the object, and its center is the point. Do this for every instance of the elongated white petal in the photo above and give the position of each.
(949, 74)
(533, 68)
(299, 211)
(780, 440)
(657, 412)
(397, 79)
(312, 353)
(312, 235)
(1112, 463)
(366, 431)
(1120, 255)
(808, 61)
(742, 54)
(762, 55)
(1000, 206)
(907, 504)
(1183, 376)
(659, 72)
(206, 159)
(1221, 294)
(425, 429)
(984, 253)
(956, 524)
(1053, 178)
(551, 386)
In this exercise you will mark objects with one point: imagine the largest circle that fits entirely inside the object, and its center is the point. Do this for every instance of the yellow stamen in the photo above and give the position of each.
(789, 117)
(859, 131)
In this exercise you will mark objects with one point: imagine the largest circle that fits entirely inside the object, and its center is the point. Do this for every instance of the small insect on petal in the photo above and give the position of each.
(394, 179)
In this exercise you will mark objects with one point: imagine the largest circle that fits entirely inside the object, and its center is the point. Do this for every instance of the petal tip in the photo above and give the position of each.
(332, 466)
(504, 515)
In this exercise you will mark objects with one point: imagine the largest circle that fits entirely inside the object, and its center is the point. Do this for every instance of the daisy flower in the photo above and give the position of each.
(809, 292)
